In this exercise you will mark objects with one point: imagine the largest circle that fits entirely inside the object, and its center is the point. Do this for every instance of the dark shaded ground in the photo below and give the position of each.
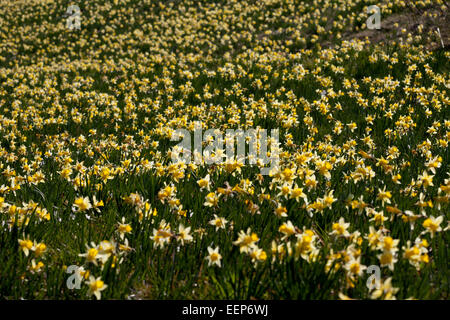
(431, 19)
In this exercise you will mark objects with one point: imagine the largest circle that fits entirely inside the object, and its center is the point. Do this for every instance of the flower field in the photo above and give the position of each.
(92, 205)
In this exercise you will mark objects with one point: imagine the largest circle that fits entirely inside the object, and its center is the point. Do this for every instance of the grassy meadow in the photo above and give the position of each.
(92, 207)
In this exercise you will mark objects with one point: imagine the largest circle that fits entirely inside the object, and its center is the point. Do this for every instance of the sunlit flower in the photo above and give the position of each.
(26, 245)
(218, 222)
(385, 291)
(82, 204)
(212, 200)
(340, 228)
(214, 256)
(204, 183)
(96, 286)
(246, 240)
(183, 234)
(432, 225)
(124, 228)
